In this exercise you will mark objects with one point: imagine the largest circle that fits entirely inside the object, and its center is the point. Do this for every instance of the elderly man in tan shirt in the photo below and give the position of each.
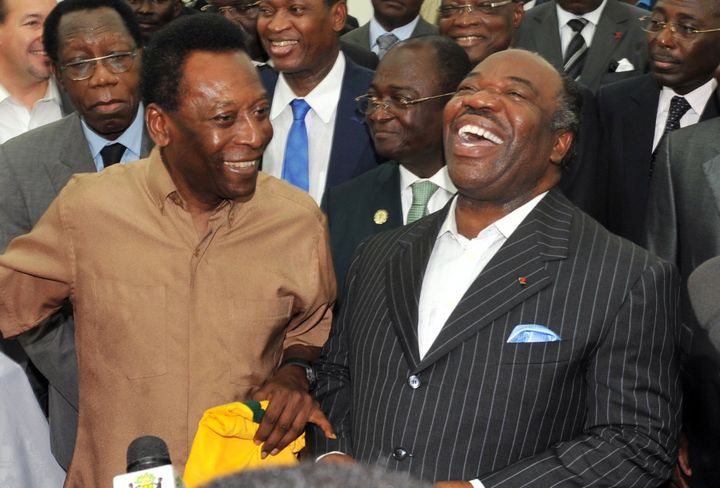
(193, 277)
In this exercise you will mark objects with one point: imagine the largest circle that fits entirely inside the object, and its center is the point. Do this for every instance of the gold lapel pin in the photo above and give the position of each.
(381, 216)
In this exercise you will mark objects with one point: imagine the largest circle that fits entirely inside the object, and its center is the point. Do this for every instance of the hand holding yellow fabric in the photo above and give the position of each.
(224, 443)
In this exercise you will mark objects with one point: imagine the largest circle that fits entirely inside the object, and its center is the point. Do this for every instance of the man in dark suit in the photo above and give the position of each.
(392, 21)
(424, 73)
(509, 340)
(595, 41)
(313, 87)
(35, 166)
(635, 113)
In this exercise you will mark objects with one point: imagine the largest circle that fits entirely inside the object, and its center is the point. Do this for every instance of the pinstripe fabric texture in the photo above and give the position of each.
(598, 408)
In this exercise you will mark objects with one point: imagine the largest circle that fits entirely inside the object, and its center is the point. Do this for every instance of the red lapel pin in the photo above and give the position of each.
(618, 35)
(522, 280)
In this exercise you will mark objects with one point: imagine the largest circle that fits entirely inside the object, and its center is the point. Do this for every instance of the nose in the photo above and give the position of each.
(102, 76)
(666, 37)
(467, 17)
(278, 22)
(144, 7)
(379, 113)
(485, 99)
(253, 132)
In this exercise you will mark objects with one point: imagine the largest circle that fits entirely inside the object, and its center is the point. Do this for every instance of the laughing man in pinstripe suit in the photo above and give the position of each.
(508, 340)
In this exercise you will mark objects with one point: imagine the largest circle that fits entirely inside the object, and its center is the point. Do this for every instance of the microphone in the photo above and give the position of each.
(148, 466)
(704, 291)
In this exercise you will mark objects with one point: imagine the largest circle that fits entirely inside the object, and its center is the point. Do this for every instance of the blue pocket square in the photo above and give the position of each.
(532, 333)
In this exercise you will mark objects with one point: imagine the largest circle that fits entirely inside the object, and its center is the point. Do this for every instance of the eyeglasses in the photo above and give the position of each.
(655, 26)
(116, 63)
(367, 104)
(239, 8)
(488, 8)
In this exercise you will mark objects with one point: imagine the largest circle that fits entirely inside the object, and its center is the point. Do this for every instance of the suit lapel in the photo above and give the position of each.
(513, 275)
(548, 34)
(404, 279)
(639, 126)
(711, 168)
(74, 155)
(712, 108)
(348, 145)
(608, 35)
(387, 197)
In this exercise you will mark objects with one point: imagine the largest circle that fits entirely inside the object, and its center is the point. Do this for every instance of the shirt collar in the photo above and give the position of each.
(131, 138)
(593, 16)
(323, 99)
(506, 225)
(697, 98)
(51, 94)
(403, 32)
(441, 179)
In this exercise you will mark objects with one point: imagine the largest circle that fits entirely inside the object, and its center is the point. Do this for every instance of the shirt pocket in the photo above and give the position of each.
(131, 324)
(256, 339)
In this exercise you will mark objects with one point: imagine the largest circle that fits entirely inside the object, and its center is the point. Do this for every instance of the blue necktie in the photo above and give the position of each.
(295, 164)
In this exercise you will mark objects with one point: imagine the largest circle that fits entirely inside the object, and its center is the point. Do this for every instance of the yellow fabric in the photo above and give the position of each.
(224, 444)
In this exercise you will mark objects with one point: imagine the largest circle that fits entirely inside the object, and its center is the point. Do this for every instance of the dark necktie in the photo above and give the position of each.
(678, 107)
(577, 49)
(112, 153)
(295, 163)
(385, 42)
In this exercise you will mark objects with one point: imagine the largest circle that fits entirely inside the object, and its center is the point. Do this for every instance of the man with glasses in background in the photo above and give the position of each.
(95, 48)
(152, 15)
(481, 29)
(402, 109)
(595, 42)
(683, 37)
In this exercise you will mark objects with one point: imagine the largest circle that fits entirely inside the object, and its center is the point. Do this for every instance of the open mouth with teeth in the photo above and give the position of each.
(281, 47)
(473, 134)
(241, 166)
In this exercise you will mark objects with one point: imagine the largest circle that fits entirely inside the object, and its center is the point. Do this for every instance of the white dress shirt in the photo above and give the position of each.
(403, 32)
(319, 122)
(454, 264)
(566, 32)
(442, 195)
(15, 118)
(697, 99)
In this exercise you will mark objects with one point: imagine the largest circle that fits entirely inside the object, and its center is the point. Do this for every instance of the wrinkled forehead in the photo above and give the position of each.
(84, 24)
(535, 71)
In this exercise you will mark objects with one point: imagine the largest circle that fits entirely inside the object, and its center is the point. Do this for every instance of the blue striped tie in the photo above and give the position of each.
(295, 164)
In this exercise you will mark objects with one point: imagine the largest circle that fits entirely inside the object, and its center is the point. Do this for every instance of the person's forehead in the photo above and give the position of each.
(28, 7)
(521, 65)
(92, 22)
(229, 3)
(692, 8)
(403, 59)
(203, 68)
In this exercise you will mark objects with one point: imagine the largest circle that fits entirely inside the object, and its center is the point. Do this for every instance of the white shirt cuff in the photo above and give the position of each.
(476, 484)
(343, 454)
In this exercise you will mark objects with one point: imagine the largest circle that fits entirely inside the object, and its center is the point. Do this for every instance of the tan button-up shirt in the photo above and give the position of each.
(168, 323)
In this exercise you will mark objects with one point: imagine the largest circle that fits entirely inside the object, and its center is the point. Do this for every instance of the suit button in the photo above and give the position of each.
(399, 454)
(414, 382)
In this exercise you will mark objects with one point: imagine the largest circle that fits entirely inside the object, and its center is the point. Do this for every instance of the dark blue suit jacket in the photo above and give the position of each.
(351, 209)
(352, 151)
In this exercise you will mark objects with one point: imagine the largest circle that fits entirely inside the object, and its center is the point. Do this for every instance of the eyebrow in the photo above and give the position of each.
(523, 81)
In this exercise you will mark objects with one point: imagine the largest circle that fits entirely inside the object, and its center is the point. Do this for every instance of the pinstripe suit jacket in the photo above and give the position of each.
(598, 408)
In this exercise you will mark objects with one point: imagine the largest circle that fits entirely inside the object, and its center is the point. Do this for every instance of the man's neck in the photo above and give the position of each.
(392, 24)
(426, 168)
(303, 82)
(27, 91)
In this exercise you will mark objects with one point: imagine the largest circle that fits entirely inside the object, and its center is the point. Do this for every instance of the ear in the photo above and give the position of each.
(159, 125)
(338, 15)
(518, 15)
(562, 145)
(178, 8)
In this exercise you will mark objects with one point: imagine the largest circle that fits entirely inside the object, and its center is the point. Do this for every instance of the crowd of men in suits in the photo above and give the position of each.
(474, 170)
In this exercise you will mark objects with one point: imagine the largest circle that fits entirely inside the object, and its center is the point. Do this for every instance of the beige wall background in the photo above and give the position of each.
(362, 9)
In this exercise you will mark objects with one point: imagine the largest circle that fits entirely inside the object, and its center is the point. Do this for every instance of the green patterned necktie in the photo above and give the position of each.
(421, 191)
